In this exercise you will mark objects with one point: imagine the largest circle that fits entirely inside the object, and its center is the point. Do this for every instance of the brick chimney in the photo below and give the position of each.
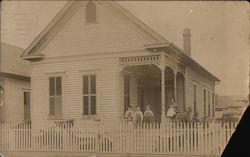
(187, 41)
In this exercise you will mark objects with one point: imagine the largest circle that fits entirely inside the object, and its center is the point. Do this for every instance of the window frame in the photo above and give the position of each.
(205, 102)
(89, 116)
(213, 104)
(55, 75)
(29, 117)
(194, 98)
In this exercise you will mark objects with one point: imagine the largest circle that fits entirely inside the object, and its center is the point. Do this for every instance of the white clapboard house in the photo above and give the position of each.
(14, 85)
(95, 58)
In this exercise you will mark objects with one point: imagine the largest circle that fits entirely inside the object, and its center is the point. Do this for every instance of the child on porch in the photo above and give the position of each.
(129, 113)
(148, 115)
(171, 113)
(138, 116)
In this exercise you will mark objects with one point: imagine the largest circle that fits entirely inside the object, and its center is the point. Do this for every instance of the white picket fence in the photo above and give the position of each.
(114, 137)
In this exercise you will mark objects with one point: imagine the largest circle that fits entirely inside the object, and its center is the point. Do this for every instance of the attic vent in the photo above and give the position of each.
(90, 12)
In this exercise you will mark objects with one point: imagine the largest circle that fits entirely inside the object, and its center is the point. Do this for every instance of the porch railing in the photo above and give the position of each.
(123, 137)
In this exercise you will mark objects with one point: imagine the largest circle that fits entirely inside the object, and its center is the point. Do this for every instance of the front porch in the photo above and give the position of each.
(152, 80)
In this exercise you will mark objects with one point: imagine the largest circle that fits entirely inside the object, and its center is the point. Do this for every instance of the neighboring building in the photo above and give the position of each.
(14, 85)
(231, 107)
(95, 58)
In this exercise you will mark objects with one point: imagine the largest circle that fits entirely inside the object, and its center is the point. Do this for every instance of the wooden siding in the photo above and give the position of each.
(106, 70)
(14, 102)
(202, 83)
(111, 33)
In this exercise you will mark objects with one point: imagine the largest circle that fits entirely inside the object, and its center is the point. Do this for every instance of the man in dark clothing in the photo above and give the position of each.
(238, 145)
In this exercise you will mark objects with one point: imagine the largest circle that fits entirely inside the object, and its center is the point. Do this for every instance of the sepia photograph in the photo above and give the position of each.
(89, 78)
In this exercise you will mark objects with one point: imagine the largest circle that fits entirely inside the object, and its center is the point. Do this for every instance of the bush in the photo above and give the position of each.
(230, 119)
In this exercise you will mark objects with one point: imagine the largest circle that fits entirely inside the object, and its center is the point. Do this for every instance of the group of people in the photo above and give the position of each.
(138, 116)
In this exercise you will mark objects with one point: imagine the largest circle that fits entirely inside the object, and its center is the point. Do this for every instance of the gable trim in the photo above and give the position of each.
(51, 29)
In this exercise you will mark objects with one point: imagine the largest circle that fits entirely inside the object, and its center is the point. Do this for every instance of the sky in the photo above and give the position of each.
(219, 31)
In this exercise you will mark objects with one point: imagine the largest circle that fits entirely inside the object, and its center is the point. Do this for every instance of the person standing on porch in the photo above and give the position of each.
(172, 102)
(171, 113)
(148, 115)
(138, 116)
(129, 115)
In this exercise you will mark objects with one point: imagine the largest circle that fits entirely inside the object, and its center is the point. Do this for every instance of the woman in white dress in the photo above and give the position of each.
(171, 113)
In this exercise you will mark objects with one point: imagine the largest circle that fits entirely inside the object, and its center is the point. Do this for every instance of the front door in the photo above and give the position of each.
(150, 94)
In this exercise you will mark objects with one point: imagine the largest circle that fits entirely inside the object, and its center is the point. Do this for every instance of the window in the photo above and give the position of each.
(205, 106)
(208, 98)
(26, 102)
(89, 95)
(55, 96)
(195, 98)
(126, 92)
(90, 12)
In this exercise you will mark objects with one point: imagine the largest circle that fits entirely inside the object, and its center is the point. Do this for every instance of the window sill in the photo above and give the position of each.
(90, 117)
(55, 117)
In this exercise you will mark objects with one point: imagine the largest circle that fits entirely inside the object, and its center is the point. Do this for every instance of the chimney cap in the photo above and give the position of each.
(186, 31)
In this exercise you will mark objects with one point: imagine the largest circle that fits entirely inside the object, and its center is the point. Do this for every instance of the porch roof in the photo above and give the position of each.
(184, 58)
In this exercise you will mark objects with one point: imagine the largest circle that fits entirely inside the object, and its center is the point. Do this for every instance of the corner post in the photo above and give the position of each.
(175, 86)
(163, 101)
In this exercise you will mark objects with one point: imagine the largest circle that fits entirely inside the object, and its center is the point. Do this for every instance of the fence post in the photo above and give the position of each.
(1, 139)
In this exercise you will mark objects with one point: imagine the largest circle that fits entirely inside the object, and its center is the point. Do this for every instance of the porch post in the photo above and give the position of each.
(163, 103)
(163, 99)
(175, 90)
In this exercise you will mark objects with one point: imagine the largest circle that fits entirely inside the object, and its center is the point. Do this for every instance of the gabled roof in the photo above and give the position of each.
(32, 52)
(11, 62)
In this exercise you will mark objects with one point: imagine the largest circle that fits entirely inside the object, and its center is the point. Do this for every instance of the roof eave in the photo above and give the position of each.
(155, 46)
(33, 57)
(41, 38)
